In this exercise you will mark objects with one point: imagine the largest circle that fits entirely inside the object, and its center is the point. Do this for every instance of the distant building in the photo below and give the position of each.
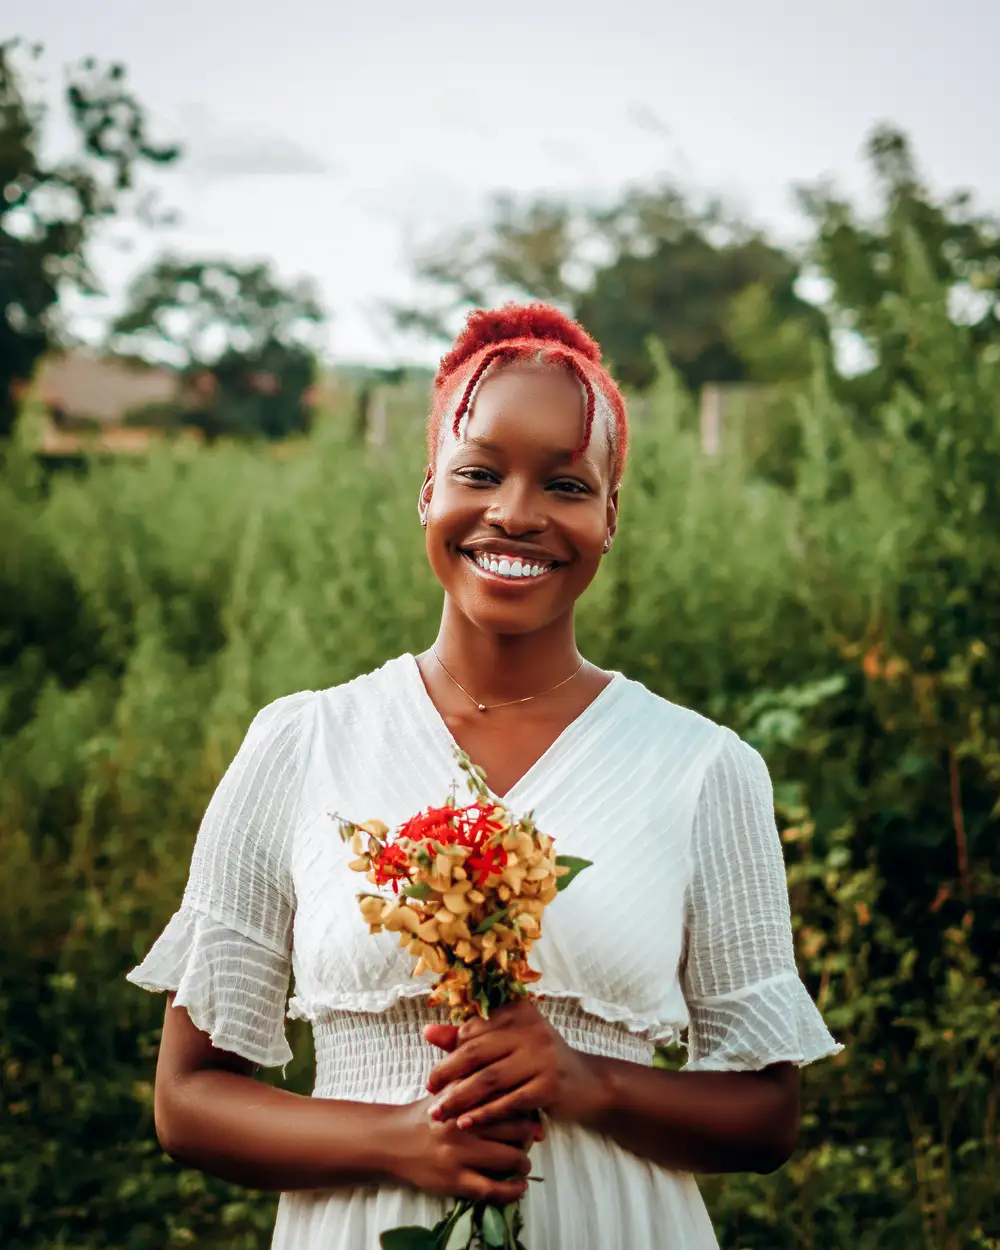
(87, 400)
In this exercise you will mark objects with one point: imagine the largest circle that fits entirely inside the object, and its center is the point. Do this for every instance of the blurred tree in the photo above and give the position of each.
(49, 210)
(246, 342)
(866, 263)
(651, 265)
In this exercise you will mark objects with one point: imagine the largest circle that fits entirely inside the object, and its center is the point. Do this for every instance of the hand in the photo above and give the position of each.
(440, 1158)
(511, 1065)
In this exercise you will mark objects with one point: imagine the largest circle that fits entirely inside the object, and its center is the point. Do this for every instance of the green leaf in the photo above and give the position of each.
(493, 918)
(494, 1230)
(575, 866)
(461, 1234)
(410, 1237)
(419, 889)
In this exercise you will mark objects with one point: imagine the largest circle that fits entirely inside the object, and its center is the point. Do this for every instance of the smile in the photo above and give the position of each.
(509, 568)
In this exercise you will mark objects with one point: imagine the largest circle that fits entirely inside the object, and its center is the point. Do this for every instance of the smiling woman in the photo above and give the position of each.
(682, 931)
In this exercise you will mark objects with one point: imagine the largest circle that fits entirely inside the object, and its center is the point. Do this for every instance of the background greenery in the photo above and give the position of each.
(827, 586)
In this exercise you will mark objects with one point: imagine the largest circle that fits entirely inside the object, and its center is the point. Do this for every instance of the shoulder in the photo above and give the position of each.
(661, 727)
(285, 717)
(662, 723)
(369, 694)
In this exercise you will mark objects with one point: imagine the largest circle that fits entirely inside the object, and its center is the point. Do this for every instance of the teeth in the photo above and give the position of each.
(510, 566)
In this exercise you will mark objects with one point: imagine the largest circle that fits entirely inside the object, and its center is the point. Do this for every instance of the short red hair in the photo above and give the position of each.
(518, 332)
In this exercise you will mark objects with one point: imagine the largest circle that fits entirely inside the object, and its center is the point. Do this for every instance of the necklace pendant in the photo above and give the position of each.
(481, 706)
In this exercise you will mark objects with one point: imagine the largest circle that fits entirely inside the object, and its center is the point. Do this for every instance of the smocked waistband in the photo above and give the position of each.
(384, 1057)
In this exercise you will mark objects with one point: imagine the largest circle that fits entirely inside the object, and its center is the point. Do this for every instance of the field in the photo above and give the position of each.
(845, 622)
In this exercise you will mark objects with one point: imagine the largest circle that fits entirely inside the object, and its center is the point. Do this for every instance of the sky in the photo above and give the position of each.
(333, 140)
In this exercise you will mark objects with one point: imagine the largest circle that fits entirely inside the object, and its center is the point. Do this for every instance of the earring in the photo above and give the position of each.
(607, 543)
(423, 519)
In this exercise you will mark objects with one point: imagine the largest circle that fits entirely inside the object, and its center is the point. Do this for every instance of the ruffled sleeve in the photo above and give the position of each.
(226, 951)
(747, 1005)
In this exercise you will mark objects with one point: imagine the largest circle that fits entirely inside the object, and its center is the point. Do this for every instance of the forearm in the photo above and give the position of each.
(696, 1121)
(241, 1130)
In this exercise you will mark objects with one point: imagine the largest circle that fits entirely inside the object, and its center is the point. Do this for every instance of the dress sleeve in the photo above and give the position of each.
(227, 949)
(747, 1005)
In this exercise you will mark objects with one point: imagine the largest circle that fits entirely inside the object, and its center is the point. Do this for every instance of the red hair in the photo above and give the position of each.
(500, 336)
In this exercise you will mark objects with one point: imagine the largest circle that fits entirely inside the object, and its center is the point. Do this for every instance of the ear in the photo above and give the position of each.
(424, 498)
(612, 512)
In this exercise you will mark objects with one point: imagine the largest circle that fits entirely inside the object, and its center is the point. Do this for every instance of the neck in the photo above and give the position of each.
(498, 667)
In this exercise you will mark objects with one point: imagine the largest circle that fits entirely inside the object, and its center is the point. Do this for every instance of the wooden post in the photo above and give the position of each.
(711, 419)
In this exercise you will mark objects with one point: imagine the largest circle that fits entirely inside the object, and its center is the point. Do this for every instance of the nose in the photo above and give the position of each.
(518, 509)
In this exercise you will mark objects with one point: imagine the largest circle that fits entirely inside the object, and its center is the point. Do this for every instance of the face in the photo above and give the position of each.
(515, 527)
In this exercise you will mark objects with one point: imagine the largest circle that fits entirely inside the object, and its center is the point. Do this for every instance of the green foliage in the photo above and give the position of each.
(847, 625)
(234, 326)
(651, 265)
(49, 209)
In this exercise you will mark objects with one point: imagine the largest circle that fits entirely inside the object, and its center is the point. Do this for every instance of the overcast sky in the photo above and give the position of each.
(328, 138)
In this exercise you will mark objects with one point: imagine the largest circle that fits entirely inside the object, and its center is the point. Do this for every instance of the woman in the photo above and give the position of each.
(681, 925)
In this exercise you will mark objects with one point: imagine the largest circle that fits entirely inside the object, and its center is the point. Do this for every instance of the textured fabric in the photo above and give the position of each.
(681, 927)
(226, 949)
(746, 1003)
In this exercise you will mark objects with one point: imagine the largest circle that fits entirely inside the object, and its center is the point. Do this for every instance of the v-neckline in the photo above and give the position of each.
(427, 710)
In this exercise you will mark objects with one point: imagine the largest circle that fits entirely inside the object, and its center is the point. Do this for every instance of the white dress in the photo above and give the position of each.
(682, 924)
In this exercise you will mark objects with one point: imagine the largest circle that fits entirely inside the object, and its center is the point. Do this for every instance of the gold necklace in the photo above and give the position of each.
(484, 708)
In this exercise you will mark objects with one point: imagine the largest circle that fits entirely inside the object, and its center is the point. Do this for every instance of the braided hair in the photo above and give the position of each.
(493, 338)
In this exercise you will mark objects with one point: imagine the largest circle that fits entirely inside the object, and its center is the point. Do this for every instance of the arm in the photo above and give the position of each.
(697, 1121)
(225, 959)
(734, 1106)
(212, 1114)
(687, 1121)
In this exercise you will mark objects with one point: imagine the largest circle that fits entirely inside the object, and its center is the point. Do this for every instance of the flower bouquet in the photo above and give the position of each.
(471, 884)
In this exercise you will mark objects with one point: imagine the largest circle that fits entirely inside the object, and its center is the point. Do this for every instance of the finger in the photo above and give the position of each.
(480, 1188)
(526, 1098)
(483, 1086)
(499, 1018)
(523, 1133)
(497, 1158)
(467, 1059)
(444, 1036)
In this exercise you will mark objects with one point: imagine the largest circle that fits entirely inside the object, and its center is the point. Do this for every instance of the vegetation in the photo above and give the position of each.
(49, 210)
(244, 341)
(827, 586)
(846, 624)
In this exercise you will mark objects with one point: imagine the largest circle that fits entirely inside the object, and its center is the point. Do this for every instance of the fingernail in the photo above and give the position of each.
(437, 1113)
(465, 1121)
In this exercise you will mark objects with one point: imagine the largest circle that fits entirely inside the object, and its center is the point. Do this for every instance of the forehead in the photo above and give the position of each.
(534, 408)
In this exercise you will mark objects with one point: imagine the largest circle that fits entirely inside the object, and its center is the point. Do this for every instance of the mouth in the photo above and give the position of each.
(509, 568)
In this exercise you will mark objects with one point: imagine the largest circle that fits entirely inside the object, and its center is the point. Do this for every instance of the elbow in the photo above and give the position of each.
(168, 1122)
(774, 1154)
(168, 1137)
(777, 1145)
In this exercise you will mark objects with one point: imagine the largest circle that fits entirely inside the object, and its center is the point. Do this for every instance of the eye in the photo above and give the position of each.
(477, 476)
(570, 486)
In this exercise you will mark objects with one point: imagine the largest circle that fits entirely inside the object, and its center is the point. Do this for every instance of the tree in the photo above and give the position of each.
(235, 326)
(650, 266)
(868, 263)
(49, 210)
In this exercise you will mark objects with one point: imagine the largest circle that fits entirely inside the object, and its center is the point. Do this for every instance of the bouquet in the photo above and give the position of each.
(471, 884)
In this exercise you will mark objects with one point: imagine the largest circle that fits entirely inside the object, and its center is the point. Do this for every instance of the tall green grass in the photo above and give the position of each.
(848, 627)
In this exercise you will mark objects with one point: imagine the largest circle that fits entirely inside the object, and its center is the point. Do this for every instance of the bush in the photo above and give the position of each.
(846, 625)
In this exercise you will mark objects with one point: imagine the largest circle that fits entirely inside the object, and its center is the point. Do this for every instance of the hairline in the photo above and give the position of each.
(603, 410)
